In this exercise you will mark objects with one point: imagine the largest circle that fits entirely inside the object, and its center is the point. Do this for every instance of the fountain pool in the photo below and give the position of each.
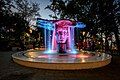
(60, 52)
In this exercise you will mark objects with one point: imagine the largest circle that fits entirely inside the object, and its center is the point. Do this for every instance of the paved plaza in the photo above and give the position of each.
(12, 71)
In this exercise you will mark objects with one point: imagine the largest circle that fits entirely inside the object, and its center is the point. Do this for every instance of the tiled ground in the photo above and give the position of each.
(12, 71)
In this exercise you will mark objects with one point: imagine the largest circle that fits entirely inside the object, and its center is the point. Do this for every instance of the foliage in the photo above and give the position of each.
(14, 19)
(100, 16)
(26, 9)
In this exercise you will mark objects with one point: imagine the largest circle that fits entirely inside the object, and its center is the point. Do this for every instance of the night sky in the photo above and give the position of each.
(43, 12)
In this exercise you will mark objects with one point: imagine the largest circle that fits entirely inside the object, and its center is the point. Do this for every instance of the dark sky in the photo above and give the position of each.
(43, 12)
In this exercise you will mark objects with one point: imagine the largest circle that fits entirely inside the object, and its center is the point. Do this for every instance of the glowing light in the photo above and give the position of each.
(74, 52)
(82, 56)
(80, 25)
(45, 38)
(64, 23)
(83, 59)
(32, 55)
(30, 30)
(45, 24)
(62, 37)
(49, 52)
(53, 40)
(43, 56)
(49, 40)
(83, 33)
(28, 34)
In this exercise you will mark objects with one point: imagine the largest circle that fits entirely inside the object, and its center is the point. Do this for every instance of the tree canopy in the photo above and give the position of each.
(14, 18)
(98, 15)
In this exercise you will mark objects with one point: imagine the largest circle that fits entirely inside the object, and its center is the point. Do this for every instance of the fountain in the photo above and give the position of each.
(62, 40)
(60, 52)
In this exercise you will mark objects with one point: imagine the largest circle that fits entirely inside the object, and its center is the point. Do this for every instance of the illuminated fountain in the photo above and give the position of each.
(59, 35)
(60, 52)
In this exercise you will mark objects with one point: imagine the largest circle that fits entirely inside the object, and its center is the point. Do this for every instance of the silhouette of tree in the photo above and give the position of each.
(26, 9)
(14, 15)
(100, 16)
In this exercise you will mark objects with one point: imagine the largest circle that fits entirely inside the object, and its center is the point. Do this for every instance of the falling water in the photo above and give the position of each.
(45, 38)
(50, 41)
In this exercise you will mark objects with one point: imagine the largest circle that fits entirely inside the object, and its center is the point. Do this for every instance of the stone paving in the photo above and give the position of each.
(12, 71)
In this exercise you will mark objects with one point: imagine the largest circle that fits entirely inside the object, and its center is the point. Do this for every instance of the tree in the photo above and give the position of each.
(14, 15)
(100, 16)
(56, 6)
(26, 9)
(5, 13)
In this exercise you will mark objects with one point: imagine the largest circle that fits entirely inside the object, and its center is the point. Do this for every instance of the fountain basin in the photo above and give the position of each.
(39, 59)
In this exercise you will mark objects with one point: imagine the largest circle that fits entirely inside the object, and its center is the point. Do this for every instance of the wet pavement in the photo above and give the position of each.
(12, 71)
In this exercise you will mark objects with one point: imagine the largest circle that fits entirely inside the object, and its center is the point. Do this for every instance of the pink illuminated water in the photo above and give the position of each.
(64, 56)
